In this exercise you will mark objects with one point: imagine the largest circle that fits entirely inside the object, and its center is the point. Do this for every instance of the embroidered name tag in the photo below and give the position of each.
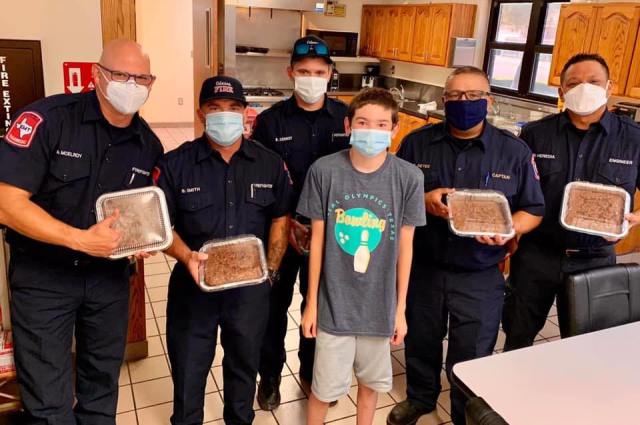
(255, 186)
(501, 176)
(545, 156)
(139, 171)
(69, 154)
(620, 161)
(190, 189)
(423, 166)
(284, 139)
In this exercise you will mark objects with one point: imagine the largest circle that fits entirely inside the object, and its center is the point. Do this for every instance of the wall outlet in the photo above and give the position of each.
(180, 101)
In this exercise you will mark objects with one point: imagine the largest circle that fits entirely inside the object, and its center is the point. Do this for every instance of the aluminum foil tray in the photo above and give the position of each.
(144, 219)
(232, 263)
(595, 209)
(479, 213)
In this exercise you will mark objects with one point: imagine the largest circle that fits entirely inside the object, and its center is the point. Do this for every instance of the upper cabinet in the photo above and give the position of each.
(633, 83)
(609, 29)
(415, 33)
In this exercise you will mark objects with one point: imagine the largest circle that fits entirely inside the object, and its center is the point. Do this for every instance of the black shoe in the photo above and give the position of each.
(405, 413)
(269, 393)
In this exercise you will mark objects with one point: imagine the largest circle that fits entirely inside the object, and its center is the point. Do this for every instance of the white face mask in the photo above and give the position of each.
(126, 97)
(310, 89)
(585, 98)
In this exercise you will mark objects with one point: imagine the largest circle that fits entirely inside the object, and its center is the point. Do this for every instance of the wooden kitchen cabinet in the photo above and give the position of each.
(614, 37)
(609, 29)
(632, 242)
(398, 34)
(407, 124)
(415, 33)
(633, 83)
(366, 30)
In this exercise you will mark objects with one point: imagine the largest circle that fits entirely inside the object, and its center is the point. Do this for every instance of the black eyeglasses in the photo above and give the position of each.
(469, 94)
(123, 77)
(306, 48)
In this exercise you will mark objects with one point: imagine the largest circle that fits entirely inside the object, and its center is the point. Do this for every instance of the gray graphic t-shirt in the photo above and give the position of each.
(363, 214)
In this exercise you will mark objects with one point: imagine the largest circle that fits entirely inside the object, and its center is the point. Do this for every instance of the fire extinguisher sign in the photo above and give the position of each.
(77, 77)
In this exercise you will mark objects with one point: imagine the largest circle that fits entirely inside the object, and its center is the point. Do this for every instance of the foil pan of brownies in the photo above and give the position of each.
(595, 209)
(479, 213)
(233, 262)
(144, 219)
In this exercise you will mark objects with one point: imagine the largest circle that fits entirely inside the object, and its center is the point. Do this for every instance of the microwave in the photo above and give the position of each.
(341, 43)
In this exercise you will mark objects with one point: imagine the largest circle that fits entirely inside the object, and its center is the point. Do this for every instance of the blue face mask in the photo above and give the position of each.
(224, 128)
(465, 114)
(370, 142)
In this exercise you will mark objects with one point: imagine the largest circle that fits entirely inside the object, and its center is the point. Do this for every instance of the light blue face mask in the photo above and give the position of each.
(370, 142)
(224, 128)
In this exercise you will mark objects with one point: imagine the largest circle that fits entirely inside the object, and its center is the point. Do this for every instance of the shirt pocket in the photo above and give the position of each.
(195, 212)
(508, 186)
(618, 175)
(260, 198)
(71, 177)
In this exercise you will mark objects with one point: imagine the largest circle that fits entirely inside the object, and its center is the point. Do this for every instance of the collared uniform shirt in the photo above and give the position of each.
(210, 199)
(63, 151)
(497, 160)
(288, 130)
(607, 153)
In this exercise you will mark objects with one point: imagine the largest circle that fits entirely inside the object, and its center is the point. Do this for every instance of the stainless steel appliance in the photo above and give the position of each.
(632, 110)
(341, 43)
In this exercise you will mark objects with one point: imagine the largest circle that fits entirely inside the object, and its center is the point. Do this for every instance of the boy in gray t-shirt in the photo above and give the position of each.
(364, 205)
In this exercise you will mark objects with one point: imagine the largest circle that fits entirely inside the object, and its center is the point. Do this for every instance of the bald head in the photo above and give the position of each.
(125, 55)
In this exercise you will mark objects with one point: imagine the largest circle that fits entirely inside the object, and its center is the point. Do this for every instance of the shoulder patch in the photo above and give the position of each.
(23, 129)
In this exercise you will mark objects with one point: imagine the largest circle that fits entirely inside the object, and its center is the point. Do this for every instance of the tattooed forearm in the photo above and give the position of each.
(278, 241)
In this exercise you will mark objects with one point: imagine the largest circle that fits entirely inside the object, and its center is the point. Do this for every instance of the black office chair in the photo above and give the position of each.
(602, 298)
(478, 412)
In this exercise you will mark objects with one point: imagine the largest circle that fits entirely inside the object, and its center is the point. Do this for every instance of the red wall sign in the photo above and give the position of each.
(77, 77)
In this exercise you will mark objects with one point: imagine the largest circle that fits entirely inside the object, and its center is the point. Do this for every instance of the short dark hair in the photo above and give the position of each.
(583, 57)
(374, 96)
(467, 70)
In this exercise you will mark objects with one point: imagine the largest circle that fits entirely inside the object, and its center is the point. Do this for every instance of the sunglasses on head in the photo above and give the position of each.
(306, 48)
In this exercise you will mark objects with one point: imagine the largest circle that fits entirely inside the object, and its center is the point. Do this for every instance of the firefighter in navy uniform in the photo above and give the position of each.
(456, 286)
(301, 129)
(217, 186)
(59, 156)
(584, 143)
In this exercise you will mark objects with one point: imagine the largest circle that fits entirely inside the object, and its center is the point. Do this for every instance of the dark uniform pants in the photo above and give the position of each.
(537, 277)
(471, 302)
(47, 302)
(273, 354)
(193, 318)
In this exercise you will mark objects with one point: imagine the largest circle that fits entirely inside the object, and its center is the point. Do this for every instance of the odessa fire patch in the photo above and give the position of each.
(23, 130)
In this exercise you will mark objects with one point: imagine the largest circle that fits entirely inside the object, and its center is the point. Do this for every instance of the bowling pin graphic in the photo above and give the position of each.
(362, 256)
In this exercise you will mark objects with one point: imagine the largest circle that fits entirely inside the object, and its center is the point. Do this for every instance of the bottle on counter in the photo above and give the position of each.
(334, 84)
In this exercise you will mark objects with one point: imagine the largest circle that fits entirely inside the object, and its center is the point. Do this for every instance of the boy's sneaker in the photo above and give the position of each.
(405, 413)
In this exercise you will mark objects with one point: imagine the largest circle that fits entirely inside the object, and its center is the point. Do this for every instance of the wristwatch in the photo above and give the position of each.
(273, 276)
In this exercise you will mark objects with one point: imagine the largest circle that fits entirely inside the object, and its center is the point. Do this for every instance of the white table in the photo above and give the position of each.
(591, 379)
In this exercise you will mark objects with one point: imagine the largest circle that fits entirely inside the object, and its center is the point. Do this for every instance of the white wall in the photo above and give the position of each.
(165, 31)
(69, 31)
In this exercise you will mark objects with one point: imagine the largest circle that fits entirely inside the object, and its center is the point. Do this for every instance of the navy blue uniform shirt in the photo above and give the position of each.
(608, 153)
(301, 137)
(63, 151)
(497, 160)
(210, 199)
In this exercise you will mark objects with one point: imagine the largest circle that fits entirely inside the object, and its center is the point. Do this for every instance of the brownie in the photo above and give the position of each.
(233, 262)
(140, 220)
(476, 214)
(596, 210)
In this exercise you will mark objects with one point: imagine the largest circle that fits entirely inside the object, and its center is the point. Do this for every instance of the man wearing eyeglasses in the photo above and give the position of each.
(301, 129)
(585, 143)
(59, 156)
(455, 284)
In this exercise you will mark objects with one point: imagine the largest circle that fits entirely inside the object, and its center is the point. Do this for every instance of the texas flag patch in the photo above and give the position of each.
(23, 130)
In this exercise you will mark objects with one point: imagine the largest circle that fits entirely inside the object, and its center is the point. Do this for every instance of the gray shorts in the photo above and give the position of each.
(337, 356)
